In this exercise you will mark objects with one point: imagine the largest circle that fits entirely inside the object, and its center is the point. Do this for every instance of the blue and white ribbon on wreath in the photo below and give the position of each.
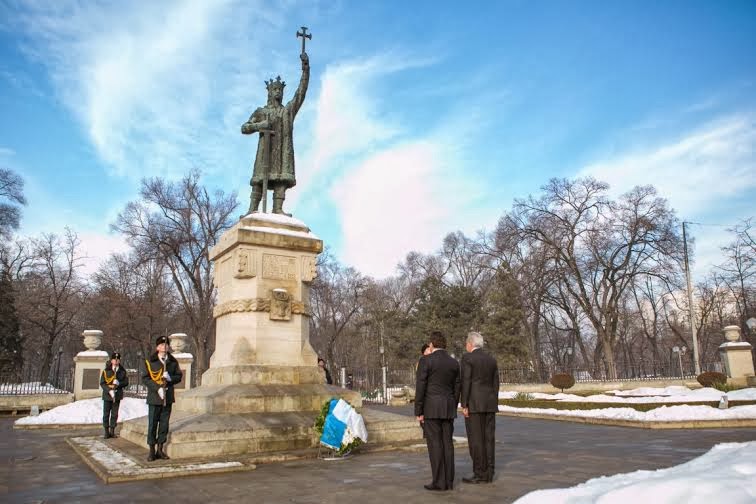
(342, 425)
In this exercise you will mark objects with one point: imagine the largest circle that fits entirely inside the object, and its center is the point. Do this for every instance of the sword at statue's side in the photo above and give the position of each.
(266, 134)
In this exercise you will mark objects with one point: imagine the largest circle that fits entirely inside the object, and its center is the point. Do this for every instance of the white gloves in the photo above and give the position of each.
(116, 382)
(166, 376)
(161, 393)
(112, 394)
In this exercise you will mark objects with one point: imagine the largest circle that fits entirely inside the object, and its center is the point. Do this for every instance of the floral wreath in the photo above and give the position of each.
(320, 422)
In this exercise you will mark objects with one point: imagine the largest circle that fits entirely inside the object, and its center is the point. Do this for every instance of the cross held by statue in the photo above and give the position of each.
(304, 36)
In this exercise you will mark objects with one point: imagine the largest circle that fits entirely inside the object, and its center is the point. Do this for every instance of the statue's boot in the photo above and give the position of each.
(254, 199)
(278, 206)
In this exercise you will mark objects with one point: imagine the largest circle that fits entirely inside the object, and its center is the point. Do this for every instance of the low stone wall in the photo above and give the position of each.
(641, 424)
(23, 403)
(547, 388)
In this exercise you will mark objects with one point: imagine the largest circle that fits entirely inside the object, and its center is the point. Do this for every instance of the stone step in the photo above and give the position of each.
(217, 435)
(269, 398)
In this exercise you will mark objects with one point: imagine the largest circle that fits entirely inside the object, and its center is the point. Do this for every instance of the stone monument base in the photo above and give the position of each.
(206, 436)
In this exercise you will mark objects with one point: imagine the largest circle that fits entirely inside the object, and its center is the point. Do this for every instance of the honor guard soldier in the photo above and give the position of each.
(161, 374)
(113, 380)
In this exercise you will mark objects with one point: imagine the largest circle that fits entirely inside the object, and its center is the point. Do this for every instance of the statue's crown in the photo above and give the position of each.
(272, 84)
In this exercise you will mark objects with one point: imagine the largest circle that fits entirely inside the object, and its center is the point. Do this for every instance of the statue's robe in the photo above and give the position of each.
(280, 119)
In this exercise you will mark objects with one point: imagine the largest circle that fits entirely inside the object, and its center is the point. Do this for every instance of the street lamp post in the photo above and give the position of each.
(383, 365)
(680, 351)
(693, 335)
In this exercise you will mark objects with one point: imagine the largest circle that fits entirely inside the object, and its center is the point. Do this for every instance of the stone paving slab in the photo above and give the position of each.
(640, 424)
(113, 465)
(531, 454)
(119, 460)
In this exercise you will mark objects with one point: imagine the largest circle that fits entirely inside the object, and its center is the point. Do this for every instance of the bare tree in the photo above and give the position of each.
(739, 272)
(176, 224)
(11, 196)
(600, 245)
(336, 296)
(133, 299)
(50, 296)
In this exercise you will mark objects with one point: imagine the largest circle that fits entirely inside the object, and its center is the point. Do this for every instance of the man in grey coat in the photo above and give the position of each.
(480, 402)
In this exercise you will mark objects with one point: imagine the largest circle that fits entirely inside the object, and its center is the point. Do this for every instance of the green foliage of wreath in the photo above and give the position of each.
(320, 422)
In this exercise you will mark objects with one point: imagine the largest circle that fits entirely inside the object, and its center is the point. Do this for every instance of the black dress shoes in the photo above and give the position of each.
(432, 487)
(475, 480)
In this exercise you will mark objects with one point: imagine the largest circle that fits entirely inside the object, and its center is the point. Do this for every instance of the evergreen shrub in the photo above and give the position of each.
(709, 378)
(562, 381)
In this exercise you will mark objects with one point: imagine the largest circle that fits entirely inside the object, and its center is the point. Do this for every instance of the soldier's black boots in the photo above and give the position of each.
(107, 435)
(160, 453)
(152, 455)
(112, 432)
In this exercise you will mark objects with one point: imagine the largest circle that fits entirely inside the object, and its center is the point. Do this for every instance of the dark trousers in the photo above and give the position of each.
(438, 436)
(157, 423)
(110, 413)
(481, 436)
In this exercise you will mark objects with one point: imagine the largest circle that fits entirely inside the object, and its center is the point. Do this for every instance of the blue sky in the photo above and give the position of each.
(421, 118)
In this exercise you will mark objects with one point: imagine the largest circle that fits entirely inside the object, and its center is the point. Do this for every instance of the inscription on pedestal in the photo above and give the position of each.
(278, 267)
(90, 379)
(222, 272)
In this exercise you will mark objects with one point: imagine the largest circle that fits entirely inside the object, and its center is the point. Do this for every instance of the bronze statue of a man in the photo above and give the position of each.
(275, 148)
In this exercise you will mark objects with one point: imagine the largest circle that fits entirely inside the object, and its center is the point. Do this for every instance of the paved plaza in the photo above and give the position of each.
(39, 466)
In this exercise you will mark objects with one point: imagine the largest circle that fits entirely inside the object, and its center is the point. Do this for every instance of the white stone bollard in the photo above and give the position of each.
(88, 366)
(737, 357)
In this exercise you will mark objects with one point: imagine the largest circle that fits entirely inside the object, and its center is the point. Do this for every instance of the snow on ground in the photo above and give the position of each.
(88, 411)
(682, 413)
(726, 473)
(674, 394)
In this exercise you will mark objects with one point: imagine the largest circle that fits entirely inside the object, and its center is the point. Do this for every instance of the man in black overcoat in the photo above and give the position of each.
(113, 380)
(480, 402)
(436, 399)
(161, 374)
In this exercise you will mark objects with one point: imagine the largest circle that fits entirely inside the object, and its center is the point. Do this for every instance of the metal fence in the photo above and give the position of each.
(31, 384)
(370, 384)
(641, 371)
(135, 387)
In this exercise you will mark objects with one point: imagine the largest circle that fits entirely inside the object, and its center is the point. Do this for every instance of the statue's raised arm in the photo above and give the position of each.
(304, 81)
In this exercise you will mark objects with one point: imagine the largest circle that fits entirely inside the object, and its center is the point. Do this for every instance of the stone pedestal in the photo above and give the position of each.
(737, 357)
(88, 366)
(185, 360)
(263, 389)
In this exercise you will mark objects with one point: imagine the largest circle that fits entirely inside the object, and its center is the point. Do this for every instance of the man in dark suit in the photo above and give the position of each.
(436, 399)
(480, 402)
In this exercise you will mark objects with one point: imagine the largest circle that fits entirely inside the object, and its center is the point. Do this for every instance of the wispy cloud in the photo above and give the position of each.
(696, 170)
(702, 173)
(395, 187)
(147, 83)
(96, 248)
